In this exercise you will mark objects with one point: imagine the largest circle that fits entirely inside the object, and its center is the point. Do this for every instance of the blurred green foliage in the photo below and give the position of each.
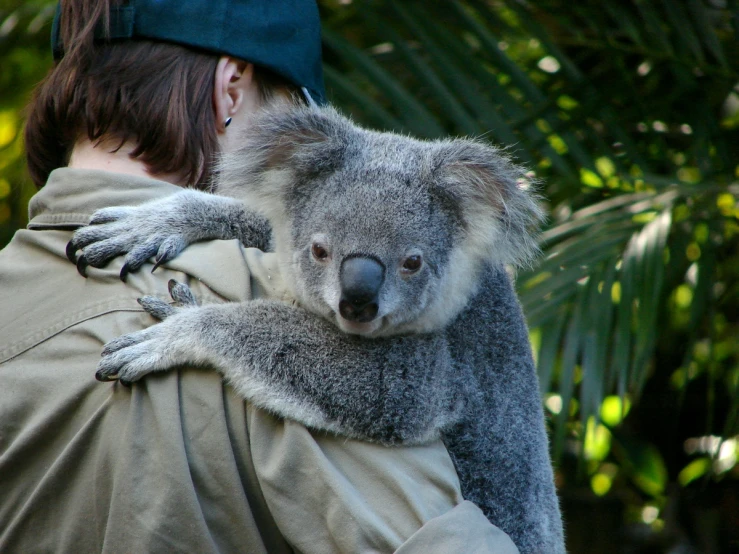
(628, 113)
(25, 57)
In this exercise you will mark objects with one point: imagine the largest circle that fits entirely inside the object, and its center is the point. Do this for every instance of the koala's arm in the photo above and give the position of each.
(501, 448)
(299, 366)
(475, 383)
(163, 228)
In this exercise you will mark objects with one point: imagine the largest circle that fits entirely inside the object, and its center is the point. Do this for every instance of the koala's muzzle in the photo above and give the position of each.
(361, 278)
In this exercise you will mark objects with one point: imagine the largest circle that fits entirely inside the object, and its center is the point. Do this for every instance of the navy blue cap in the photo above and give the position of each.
(283, 36)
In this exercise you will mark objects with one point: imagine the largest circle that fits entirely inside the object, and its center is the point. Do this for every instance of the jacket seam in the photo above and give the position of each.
(47, 220)
(37, 337)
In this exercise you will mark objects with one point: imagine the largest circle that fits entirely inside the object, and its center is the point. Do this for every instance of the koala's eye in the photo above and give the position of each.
(412, 264)
(319, 251)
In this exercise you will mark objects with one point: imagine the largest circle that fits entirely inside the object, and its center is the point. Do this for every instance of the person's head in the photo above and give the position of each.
(166, 76)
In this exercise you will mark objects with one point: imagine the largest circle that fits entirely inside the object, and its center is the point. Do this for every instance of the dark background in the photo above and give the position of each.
(628, 111)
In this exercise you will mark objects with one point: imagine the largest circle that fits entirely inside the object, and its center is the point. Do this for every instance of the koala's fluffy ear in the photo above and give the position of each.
(283, 147)
(497, 198)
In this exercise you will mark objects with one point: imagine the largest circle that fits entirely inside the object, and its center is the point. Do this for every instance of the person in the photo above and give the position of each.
(142, 98)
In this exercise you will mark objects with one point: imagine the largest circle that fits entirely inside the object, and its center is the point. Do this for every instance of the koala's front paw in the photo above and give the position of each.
(160, 347)
(139, 233)
(130, 357)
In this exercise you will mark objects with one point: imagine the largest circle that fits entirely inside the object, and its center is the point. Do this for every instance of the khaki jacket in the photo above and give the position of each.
(178, 462)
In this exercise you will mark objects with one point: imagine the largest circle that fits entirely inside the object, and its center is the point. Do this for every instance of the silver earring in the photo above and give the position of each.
(227, 122)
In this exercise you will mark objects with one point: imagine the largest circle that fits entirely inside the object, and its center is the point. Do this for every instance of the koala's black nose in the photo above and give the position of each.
(361, 278)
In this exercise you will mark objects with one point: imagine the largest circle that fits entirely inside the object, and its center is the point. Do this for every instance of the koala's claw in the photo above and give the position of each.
(103, 378)
(162, 258)
(168, 250)
(72, 251)
(123, 275)
(82, 264)
(162, 251)
(159, 309)
(138, 256)
(107, 372)
(181, 293)
(157, 262)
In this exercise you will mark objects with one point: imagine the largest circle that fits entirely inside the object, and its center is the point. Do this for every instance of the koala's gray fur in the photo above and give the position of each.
(447, 354)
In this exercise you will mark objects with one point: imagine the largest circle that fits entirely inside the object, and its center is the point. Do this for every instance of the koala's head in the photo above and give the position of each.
(380, 233)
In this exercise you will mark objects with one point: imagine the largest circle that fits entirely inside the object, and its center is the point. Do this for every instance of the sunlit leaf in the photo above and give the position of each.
(597, 443)
(694, 470)
(601, 483)
(613, 410)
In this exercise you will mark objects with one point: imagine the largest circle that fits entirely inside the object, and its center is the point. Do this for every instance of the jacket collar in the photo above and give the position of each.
(71, 196)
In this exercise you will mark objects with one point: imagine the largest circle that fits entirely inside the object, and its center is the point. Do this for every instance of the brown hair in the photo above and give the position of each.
(157, 95)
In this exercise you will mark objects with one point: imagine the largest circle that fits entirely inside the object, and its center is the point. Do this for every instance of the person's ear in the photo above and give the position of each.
(234, 83)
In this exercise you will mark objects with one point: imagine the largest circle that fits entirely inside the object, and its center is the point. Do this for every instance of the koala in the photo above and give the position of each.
(406, 327)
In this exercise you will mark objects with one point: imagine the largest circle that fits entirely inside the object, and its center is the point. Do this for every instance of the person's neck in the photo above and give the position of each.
(106, 156)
